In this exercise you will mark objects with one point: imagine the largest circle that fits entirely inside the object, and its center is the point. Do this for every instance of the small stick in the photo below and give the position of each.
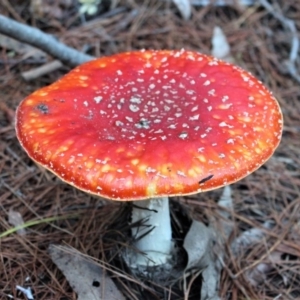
(42, 70)
(41, 40)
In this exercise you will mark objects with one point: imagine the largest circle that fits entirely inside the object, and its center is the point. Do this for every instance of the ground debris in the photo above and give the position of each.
(15, 219)
(201, 260)
(248, 238)
(205, 245)
(262, 41)
(25, 291)
(184, 7)
(86, 277)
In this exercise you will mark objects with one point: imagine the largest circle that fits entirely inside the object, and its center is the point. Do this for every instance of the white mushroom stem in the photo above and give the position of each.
(156, 246)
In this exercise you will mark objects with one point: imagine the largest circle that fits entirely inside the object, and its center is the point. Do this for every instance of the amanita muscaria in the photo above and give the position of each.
(147, 125)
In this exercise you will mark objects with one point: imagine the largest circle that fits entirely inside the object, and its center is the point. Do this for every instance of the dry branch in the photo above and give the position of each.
(46, 42)
(42, 70)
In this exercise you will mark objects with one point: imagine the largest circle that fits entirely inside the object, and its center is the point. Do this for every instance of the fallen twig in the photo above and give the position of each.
(46, 42)
(42, 70)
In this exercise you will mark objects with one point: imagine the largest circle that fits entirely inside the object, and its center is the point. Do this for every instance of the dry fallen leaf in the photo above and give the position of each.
(204, 244)
(184, 7)
(249, 238)
(258, 274)
(220, 45)
(224, 223)
(15, 219)
(198, 245)
(87, 278)
(26, 291)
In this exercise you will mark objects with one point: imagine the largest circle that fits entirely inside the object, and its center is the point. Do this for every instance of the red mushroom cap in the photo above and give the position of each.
(151, 123)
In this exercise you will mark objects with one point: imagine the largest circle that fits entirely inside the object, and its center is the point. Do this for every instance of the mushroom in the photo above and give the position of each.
(147, 125)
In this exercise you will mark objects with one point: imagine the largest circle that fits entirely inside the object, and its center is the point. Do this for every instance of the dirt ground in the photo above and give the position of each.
(264, 40)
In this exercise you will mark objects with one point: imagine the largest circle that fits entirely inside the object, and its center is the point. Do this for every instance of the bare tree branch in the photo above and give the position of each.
(46, 42)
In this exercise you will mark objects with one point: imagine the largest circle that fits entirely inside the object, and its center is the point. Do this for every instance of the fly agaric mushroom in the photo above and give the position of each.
(147, 125)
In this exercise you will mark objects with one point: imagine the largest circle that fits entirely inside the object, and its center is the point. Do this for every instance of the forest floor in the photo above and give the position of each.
(264, 41)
